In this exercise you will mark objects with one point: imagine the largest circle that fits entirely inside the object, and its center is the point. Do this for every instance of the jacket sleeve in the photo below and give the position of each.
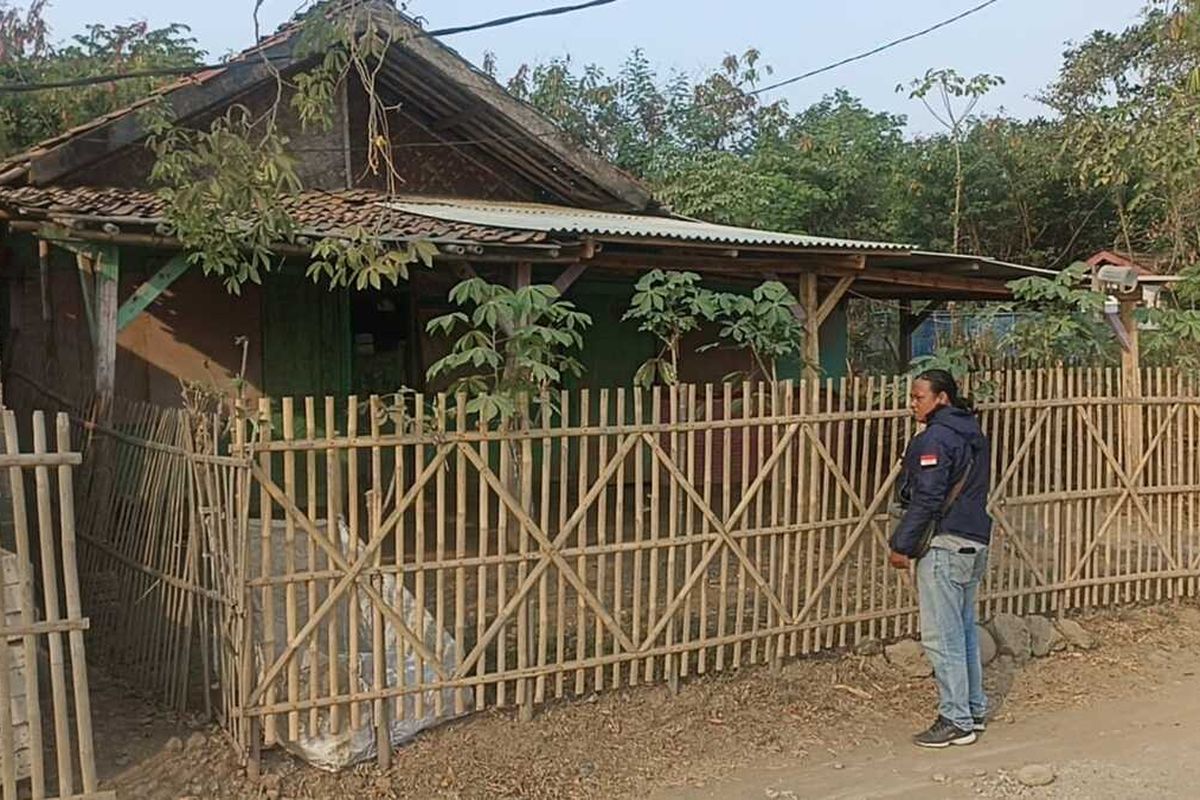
(929, 465)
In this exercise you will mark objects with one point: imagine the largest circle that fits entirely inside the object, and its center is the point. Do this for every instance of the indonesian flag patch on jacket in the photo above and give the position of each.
(929, 460)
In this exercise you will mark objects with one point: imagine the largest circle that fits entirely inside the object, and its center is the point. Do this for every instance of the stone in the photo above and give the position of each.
(909, 657)
(1012, 637)
(1036, 775)
(196, 741)
(987, 645)
(174, 744)
(1075, 635)
(1044, 638)
(123, 759)
(939, 778)
(838, 765)
(868, 647)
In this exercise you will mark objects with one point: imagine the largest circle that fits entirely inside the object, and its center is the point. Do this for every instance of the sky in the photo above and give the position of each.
(1020, 40)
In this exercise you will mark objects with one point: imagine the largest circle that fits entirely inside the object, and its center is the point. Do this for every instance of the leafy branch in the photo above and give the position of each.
(668, 305)
(511, 346)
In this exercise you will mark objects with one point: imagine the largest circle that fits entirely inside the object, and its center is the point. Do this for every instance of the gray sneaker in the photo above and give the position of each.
(943, 733)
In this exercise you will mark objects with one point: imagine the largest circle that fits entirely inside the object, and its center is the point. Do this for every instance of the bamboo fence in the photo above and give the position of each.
(46, 747)
(353, 566)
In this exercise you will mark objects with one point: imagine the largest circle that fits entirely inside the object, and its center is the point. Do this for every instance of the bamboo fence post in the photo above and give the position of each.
(83, 708)
(25, 588)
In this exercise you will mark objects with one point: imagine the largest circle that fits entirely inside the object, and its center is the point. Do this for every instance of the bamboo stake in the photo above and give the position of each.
(25, 588)
(581, 533)
(739, 624)
(291, 621)
(726, 508)
(618, 558)
(671, 670)
(639, 530)
(266, 567)
(460, 546)
(419, 512)
(379, 709)
(439, 616)
(355, 677)
(311, 511)
(62, 742)
(602, 528)
(543, 632)
(560, 604)
(526, 630)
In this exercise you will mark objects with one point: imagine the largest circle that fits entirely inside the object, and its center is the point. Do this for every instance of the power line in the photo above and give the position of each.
(873, 51)
(567, 9)
(500, 21)
(167, 72)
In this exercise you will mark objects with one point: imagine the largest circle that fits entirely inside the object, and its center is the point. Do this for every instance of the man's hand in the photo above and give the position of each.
(898, 560)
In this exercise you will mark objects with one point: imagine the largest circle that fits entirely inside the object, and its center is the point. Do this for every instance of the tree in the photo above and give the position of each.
(1131, 116)
(950, 99)
(27, 55)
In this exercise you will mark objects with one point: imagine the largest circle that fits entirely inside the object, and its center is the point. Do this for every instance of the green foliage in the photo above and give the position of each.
(950, 99)
(1171, 334)
(513, 345)
(224, 189)
(362, 259)
(1060, 321)
(764, 323)
(28, 56)
(668, 305)
(1131, 109)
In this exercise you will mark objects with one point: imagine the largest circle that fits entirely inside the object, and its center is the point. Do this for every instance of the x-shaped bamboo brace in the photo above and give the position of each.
(725, 538)
(1130, 492)
(625, 445)
(550, 550)
(335, 555)
(868, 515)
(351, 576)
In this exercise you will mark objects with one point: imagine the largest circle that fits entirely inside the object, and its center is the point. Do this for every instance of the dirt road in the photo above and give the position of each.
(1120, 721)
(1132, 747)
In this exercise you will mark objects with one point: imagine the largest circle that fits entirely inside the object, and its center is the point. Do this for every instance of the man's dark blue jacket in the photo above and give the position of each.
(933, 463)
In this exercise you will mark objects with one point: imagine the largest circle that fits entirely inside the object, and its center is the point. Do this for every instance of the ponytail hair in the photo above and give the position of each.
(939, 381)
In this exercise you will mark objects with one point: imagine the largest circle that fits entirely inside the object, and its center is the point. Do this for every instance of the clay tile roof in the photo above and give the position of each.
(317, 213)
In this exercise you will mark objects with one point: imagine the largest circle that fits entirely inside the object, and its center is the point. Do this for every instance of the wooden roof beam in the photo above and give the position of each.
(81, 151)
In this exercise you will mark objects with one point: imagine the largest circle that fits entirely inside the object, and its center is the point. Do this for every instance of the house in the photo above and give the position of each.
(99, 297)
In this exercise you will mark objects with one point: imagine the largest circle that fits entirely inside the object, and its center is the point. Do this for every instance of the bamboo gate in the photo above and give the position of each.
(46, 747)
(341, 566)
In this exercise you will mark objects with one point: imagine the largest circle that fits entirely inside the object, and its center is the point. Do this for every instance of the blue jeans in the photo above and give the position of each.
(947, 582)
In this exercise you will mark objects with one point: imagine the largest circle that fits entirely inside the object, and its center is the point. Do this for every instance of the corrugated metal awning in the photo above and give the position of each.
(562, 219)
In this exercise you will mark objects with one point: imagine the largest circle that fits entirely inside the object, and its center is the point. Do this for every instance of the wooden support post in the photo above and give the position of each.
(909, 323)
(44, 277)
(108, 270)
(904, 346)
(524, 275)
(1131, 381)
(87, 288)
(815, 312)
(812, 326)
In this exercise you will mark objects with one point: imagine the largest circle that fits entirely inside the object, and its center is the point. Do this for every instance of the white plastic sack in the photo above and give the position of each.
(320, 747)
